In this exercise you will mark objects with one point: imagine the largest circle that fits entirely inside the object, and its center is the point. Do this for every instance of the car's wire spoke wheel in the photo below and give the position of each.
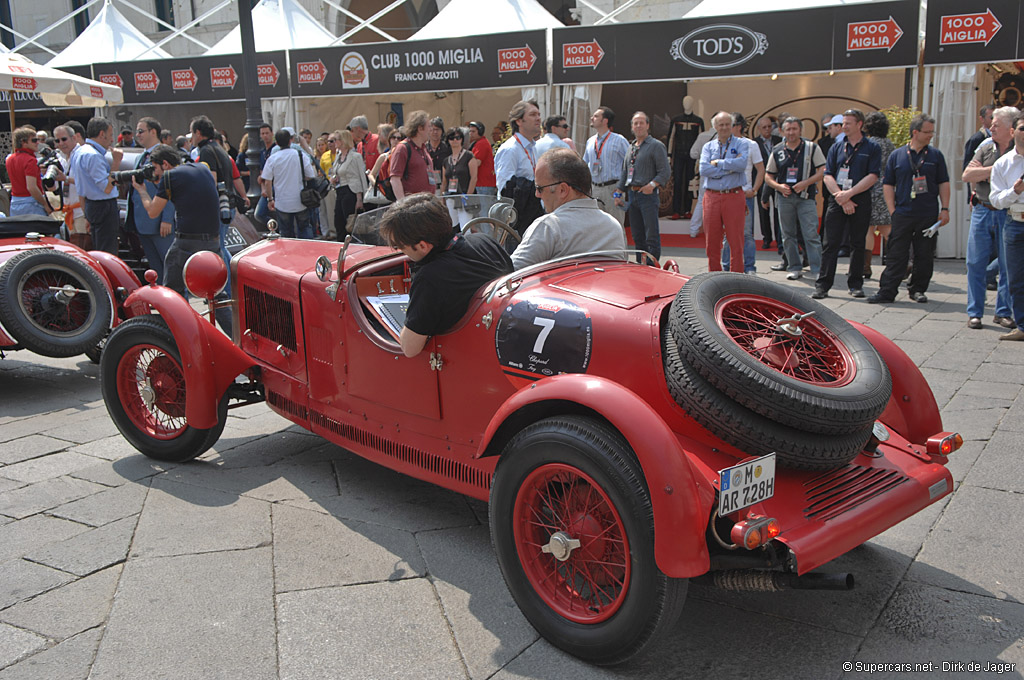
(55, 300)
(151, 386)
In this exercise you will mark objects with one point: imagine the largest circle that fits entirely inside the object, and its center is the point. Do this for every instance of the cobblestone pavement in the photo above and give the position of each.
(278, 555)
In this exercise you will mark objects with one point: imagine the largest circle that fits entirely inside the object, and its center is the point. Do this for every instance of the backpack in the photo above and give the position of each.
(383, 179)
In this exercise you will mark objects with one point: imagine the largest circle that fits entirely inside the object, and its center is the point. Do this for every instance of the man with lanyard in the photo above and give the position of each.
(155, 233)
(800, 165)
(194, 192)
(216, 158)
(986, 230)
(754, 178)
(723, 167)
(78, 228)
(412, 171)
(851, 170)
(916, 183)
(646, 170)
(605, 154)
(1008, 194)
(516, 157)
(90, 170)
(483, 156)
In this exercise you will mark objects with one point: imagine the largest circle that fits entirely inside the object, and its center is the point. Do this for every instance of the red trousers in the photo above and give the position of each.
(724, 213)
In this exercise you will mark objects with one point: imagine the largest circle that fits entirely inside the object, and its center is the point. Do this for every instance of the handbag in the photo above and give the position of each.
(313, 190)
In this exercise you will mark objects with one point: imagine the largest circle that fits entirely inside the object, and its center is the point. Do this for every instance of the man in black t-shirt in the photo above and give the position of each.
(449, 270)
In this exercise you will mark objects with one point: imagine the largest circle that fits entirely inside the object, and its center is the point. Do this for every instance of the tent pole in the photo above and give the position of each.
(10, 106)
(253, 114)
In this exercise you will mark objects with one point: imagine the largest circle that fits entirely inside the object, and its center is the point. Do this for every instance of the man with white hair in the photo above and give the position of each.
(1008, 193)
(366, 141)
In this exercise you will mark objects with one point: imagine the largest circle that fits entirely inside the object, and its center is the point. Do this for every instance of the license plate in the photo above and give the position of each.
(745, 484)
(233, 237)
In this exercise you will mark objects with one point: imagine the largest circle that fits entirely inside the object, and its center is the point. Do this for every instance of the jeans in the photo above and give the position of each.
(907, 231)
(294, 225)
(156, 246)
(262, 212)
(837, 225)
(749, 245)
(643, 222)
(986, 231)
(174, 267)
(26, 205)
(799, 216)
(487, 191)
(1013, 249)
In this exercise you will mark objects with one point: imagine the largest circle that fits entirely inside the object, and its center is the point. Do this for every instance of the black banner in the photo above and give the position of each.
(958, 32)
(871, 35)
(467, 63)
(194, 79)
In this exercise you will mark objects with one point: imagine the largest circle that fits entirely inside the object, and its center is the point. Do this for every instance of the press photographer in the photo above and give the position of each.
(155, 233)
(27, 197)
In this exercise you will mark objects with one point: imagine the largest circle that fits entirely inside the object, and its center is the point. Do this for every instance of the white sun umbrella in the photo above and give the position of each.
(55, 87)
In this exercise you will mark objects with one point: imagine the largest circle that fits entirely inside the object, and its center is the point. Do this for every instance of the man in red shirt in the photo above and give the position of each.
(366, 141)
(483, 156)
(26, 186)
(409, 163)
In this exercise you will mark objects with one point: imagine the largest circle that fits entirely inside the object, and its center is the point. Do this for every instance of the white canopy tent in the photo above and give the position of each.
(503, 16)
(110, 37)
(280, 25)
(712, 8)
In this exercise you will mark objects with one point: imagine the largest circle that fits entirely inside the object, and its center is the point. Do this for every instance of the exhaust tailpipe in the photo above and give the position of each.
(746, 580)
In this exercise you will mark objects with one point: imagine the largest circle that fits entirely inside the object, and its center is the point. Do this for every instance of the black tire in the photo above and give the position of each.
(46, 321)
(144, 347)
(751, 432)
(833, 382)
(573, 459)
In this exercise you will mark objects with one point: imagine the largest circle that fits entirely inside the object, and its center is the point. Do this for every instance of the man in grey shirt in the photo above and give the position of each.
(574, 222)
(646, 170)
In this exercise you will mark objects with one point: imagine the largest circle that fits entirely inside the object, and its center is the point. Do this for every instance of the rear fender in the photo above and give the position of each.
(681, 511)
(209, 359)
(911, 410)
(120, 276)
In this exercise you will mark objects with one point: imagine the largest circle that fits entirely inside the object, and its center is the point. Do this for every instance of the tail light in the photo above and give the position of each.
(754, 531)
(945, 443)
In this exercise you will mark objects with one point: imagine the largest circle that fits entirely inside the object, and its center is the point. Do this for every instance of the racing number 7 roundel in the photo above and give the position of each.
(543, 336)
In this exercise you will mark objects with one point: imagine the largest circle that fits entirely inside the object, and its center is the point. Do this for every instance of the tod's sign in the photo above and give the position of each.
(719, 46)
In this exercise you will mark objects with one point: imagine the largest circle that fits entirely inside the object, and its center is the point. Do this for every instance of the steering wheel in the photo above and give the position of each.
(508, 231)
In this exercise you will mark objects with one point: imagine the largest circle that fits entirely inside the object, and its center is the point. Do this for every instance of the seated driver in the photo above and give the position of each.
(448, 270)
(574, 223)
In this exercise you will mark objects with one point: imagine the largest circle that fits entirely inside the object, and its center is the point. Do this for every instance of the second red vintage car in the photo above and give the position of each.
(631, 427)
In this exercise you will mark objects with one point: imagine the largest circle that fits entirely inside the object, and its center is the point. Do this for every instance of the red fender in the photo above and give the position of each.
(209, 359)
(681, 512)
(119, 275)
(911, 410)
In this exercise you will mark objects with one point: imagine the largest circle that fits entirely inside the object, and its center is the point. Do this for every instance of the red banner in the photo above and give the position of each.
(961, 29)
(267, 74)
(513, 59)
(583, 54)
(184, 79)
(223, 76)
(146, 81)
(872, 35)
(311, 72)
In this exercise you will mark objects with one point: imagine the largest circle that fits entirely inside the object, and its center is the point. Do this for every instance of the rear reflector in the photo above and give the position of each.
(945, 443)
(754, 531)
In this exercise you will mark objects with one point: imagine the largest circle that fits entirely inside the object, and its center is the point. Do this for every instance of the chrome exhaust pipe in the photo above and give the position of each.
(746, 580)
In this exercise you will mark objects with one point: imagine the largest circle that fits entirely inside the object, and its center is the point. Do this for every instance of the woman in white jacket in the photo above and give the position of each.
(348, 175)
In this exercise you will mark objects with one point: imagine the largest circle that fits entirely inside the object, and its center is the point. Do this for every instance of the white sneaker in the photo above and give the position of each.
(794, 276)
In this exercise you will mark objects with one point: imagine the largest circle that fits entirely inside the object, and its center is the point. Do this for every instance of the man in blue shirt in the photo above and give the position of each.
(723, 167)
(605, 153)
(915, 176)
(91, 171)
(517, 156)
(851, 169)
(155, 233)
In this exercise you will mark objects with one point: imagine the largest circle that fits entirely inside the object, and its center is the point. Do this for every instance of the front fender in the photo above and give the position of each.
(209, 359)
(119, 274)
(911, 410)
(681, 511)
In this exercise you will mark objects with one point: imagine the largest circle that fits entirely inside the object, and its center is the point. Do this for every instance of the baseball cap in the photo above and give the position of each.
(836, 119)
(291, 130)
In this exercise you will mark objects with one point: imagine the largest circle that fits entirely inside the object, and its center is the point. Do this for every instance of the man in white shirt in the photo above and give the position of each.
(751, 188)
(1007, 188)
(517, 156)
(553, 127)
(605, 153)
(67, 144)
(283, 181)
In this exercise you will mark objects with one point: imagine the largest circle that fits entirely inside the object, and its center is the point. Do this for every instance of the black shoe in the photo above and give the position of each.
(991, 286)
(819, 293)
(918, 297)
(780, 267)
(766, 244)
(878, 299)
(844, 252)
(856, 292)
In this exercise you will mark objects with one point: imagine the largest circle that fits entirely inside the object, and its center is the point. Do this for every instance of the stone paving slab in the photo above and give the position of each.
(70, 660)
(26, 448)
(22, 536)
(21, 579)
(16, 644)
(33, 498)
(90, 551)
(106, 506)
(83, 604)
(47, 467)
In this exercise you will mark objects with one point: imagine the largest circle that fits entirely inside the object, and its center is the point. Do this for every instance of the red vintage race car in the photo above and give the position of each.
(631, 427)
(55, 298)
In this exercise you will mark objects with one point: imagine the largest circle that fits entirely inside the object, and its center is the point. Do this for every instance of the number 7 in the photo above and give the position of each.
(546, 326)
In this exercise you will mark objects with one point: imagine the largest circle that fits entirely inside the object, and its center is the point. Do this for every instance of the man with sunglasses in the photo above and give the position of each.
(573, 223)
(155, 233)
(555, 128)
(1008, 194)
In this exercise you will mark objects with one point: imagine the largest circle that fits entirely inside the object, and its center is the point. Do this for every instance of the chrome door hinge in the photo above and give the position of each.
(436, 362)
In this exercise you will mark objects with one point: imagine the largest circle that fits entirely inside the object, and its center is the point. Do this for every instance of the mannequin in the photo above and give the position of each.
(684, 130)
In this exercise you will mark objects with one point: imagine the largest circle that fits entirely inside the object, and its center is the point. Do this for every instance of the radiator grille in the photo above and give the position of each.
(285, 404)
(270, 316)
(443, 467)
(833, 493)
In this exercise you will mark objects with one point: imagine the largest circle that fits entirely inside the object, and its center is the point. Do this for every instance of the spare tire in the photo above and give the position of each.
(817, 373)
(751, 432)
(52, 303)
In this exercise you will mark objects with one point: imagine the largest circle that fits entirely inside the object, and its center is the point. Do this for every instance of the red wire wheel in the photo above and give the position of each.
(806, 351)
(151, 387)
(37, 293)
(572, 543)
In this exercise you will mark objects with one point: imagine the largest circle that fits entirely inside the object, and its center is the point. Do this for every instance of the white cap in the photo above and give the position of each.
(836, 119)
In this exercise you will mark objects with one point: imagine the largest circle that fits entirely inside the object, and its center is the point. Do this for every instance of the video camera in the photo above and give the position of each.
(141, 174)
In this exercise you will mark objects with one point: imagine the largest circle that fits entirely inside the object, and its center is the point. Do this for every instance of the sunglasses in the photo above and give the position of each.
(63, 139)
(545, 186)
(394, 137)
(140, 131)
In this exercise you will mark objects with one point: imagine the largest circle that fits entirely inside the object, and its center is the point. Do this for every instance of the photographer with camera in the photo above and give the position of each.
(90, 170)
(154, 232)
(193, 190)
(27, 196)
(209, 151)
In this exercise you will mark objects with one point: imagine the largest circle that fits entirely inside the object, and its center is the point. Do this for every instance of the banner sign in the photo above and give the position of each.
(958, 32)
(467, 63)
(846, 37)
(187, 79)
(25, 100)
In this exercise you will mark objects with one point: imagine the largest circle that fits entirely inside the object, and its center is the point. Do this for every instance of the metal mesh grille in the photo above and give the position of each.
(270, 316)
